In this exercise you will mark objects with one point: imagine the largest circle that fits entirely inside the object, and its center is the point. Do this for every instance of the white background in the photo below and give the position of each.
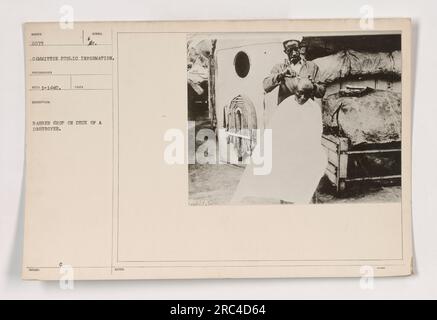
(421, 285)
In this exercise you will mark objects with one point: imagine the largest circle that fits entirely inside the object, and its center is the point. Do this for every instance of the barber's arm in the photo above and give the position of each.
(319, 87)
(276, 76)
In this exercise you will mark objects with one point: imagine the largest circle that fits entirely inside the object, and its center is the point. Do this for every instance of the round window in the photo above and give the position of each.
(242, 64)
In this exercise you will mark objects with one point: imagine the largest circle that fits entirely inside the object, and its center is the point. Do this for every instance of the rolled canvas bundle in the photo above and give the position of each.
(372, 118)
(351, 63)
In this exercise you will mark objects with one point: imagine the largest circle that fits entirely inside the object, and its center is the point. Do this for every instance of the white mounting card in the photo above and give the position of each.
(225, 149)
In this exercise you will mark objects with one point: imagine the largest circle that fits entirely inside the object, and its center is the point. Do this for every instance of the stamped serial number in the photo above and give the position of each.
(242, 309)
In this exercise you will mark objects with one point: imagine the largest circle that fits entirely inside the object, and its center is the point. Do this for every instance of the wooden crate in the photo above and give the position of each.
(339, 150)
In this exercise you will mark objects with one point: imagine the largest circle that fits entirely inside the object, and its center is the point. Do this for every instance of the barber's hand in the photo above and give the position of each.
(290, 73)
(286, 74)
(315, 87)
(313, 82)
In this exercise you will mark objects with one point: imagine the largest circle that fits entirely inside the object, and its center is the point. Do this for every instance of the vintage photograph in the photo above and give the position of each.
(294, 118)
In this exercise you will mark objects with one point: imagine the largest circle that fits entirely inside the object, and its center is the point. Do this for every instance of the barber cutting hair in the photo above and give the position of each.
(295, 66)
(298, 158)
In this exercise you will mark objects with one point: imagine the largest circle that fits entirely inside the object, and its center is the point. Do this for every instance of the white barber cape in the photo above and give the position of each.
(298, 158)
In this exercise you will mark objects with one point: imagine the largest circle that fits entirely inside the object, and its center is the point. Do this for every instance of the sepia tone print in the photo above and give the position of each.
(332, 105)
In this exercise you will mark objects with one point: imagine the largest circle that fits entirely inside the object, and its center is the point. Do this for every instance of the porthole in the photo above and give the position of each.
(242, 64)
